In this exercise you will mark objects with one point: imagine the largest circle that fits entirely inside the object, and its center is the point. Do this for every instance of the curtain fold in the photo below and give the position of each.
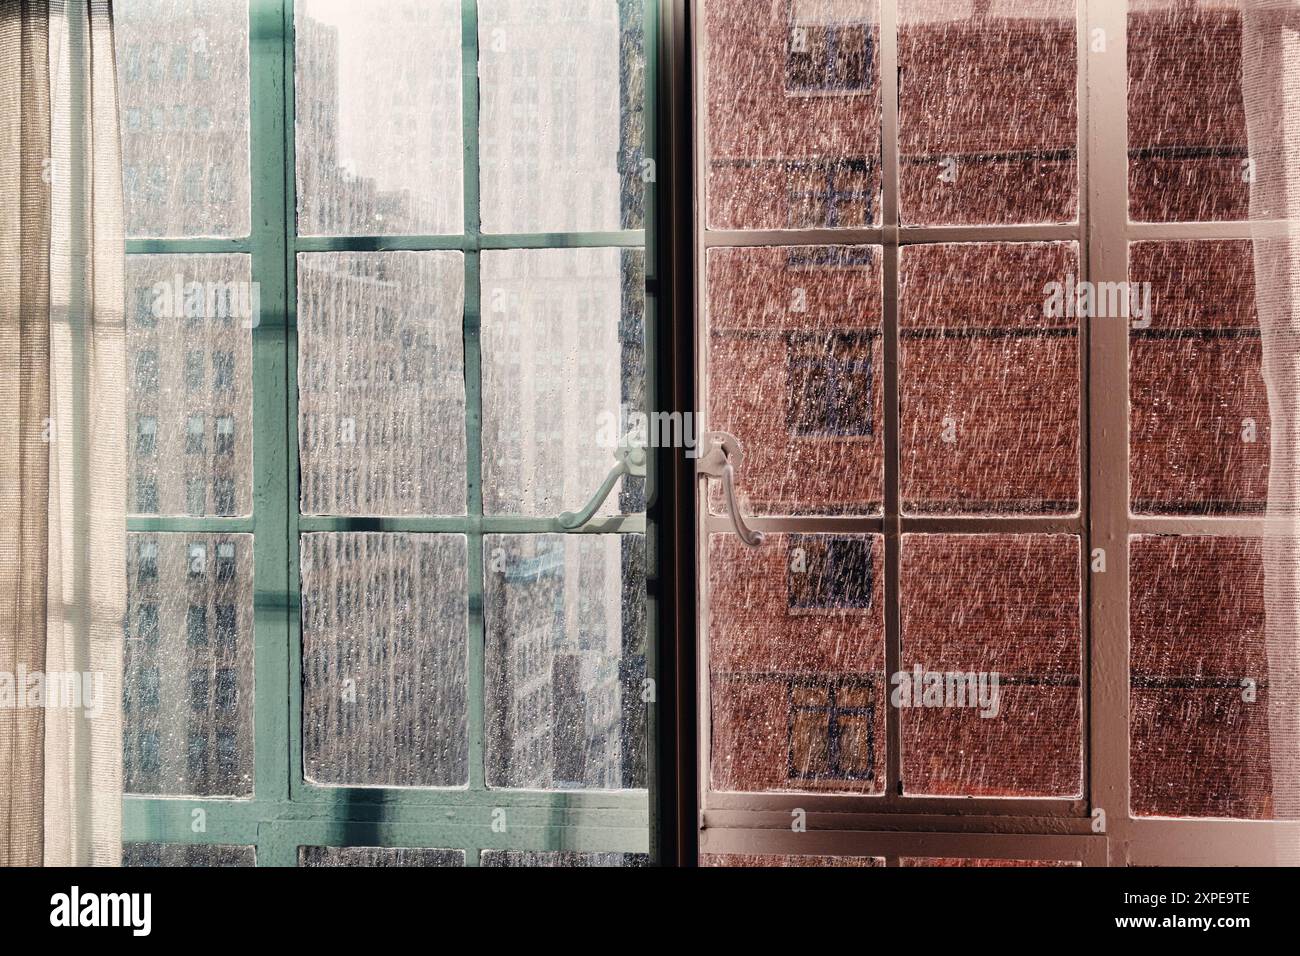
(62, 491)
(1271, 93)
(24, 408)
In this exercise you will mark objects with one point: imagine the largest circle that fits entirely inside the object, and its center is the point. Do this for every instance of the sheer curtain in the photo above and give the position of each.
(62, 435)
(1271, 90)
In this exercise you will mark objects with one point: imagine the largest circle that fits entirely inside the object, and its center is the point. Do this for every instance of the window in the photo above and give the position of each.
(946, 499)
(437, 299)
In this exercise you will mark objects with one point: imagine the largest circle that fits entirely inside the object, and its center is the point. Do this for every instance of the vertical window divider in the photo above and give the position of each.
(890, 386)
(475, 670)
(1106, 221)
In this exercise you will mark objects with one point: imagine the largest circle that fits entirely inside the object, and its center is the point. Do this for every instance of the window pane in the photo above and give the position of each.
(563, 369)
(988, 128)
(1199, 663)
(1186, 120)
(1199, 415)
(381, 383)
(989, 376)
(793, 114)
(990, 696)
(318, 856)
(778, 859)
(190, 384)
(561, 115)
(384, 638)
(183, 95)
(565, 664)
(978, 861)
(561, 858)
(795, 374)
(188, 697)
(797, 664)
(378, 117)
(187, 854)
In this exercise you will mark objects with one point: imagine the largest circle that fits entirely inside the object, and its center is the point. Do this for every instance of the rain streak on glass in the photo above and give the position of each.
(793, 114)
(1200, 681)
(384, 666)
(988, 120)
(1187, 150)
(565, 668)
(989, 378)
(1199, 425)
(562, 115)
(187, 686)
(381, 383)
(795, 372)
(184, 109)
(190, 323)
(378, 106)
(797, 664)
(1018, 616)
(563, 366)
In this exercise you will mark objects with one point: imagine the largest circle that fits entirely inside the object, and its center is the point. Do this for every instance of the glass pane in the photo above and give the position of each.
(187, 701)
(381, 383)
(990, 696)
(190, 384)
(561, 858)
(378, 117)
(795, 374)
(318, 856)
(797, 664)
(779, 859)
(187, 854)
(1198, 413)
(1186, 120)
(561, 115)
(988, 124)
(978, 861)
(183, 95)
(1199, 663)
(563, 372)
(989, 375)
(793, 114)
(384, 639)
(565, 663)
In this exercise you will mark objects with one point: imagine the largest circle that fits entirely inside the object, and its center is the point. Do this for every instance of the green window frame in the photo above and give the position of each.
(286, 811)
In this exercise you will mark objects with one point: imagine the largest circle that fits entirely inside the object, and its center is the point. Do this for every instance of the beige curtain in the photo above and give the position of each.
(62, 435)
(1271, 90)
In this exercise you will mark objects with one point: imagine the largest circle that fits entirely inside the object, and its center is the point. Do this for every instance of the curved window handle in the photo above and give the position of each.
(631, 461)
(720, 461)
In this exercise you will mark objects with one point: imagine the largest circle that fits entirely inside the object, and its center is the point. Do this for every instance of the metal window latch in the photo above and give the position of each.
(722, 457)
(631, 461)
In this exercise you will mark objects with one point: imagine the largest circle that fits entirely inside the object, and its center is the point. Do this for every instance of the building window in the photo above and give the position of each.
(194, 435)
(196, 625)
(828, 573)
(199, 688)
(835, 56)
(146, 435)
(831, 730)
(146, 371)
(830, 194)
(147, 561)
(828, 385)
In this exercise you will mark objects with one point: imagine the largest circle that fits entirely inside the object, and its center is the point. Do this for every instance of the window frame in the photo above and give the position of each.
(891, 825)
(285, 810)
